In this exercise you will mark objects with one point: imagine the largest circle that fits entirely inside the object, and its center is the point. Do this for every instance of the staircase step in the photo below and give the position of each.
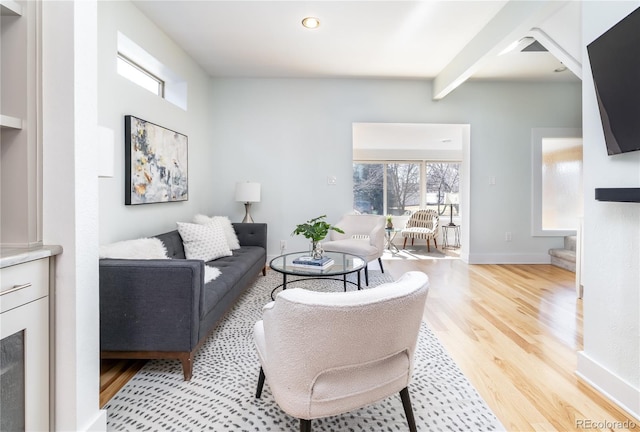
(570, 242)
(563, 258)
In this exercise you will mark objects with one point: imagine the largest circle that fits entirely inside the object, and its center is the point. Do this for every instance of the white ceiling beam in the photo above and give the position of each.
(558, 52)
(510, 24)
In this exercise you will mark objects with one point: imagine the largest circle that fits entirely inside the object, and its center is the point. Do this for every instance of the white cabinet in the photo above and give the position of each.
(24, 338)
(20, 124)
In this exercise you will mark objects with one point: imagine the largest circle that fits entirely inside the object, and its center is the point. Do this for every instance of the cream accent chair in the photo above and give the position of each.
(363, 236)
(325, 354)
(423, 224)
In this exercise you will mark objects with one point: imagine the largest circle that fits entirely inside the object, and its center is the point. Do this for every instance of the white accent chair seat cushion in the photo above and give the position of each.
(363, 236)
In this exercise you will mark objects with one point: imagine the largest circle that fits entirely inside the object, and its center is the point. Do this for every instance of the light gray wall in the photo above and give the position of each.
(611, 278)
(118, 97)
(291, 134)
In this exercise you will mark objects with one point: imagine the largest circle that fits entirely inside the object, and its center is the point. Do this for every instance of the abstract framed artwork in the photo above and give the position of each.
(156, 163)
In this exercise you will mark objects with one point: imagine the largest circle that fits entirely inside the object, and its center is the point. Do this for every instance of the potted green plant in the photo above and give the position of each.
(315, 230)
(389, 221)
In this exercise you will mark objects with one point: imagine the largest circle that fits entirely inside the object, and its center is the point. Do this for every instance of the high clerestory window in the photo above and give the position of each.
(139, 75)
(140, 67)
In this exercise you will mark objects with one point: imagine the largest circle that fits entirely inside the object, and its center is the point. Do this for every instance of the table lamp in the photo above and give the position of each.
(451, 199)
(247, 192)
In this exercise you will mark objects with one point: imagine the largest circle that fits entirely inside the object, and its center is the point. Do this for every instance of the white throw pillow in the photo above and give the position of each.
(229, 232)
(203, 242)
(144, 248)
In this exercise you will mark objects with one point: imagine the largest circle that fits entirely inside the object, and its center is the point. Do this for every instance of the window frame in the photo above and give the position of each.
(537, 136)
(161, 83)
(422, 182)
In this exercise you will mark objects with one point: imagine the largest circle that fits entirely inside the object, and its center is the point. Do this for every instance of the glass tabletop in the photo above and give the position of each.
(343, 263)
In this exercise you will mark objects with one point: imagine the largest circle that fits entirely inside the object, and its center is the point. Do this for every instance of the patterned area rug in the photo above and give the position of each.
(220, 396)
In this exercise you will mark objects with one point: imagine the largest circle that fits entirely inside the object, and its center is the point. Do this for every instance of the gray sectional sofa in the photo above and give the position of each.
(157, 308)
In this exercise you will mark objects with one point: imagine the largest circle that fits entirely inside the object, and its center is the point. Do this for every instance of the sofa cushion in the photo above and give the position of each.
(204, 242)
(210, 273)
(232, 269)
(173, 242)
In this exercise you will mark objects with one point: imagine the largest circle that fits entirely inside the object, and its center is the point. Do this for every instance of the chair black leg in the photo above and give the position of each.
(380, 261)
(366, 275)
(305, 425)
(260, 383)
(408, 411)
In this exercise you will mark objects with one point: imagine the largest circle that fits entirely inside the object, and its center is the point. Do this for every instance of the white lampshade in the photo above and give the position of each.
(247, 192)
(451, 198)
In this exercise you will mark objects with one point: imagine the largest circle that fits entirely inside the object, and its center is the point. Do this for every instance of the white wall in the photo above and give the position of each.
(291, 134)
(70, 206)
(118, 97)
(611, 276)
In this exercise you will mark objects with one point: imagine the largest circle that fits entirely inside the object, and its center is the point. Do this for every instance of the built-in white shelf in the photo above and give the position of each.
(10, 7)
(10, 122)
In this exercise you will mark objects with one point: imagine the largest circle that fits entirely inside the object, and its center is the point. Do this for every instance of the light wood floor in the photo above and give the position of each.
(514, 330)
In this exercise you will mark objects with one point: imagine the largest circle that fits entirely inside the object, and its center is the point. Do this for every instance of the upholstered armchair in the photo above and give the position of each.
(363, 236)
(325, 354)
(423, 224)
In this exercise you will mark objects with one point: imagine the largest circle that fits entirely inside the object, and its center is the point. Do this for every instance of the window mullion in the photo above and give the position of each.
(423, 185)
(384, 189)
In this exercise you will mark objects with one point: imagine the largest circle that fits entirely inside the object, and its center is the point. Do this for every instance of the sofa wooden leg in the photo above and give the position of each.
(428, 248)
(260, 383)
(435, 242)
(264, 271)
(412, 240)
(380, 261)
(187, 365)
(404, 245)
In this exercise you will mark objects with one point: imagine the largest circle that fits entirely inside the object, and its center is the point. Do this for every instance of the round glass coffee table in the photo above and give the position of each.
(343, 264)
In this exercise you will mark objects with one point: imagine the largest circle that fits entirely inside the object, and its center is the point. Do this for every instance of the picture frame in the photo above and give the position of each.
(156, 163)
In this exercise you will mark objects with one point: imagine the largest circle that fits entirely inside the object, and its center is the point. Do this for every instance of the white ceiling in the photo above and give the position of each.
(378, 39)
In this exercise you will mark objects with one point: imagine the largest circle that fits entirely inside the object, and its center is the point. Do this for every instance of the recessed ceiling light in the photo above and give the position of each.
(311, 22)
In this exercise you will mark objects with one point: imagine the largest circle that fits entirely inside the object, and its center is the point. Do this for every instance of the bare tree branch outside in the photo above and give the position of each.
(403, 186)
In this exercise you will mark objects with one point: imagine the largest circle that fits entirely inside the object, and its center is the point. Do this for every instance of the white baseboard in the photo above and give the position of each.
(609, 385)
(506, 258)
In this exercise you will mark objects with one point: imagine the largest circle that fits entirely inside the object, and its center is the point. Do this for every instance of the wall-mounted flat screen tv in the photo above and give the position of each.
(615, 65)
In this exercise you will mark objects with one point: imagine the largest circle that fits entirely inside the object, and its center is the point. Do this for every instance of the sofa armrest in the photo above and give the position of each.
(251, 234)
(150, 305)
